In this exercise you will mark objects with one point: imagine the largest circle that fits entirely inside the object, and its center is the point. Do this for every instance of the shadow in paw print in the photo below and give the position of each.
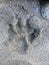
(34, 34)
(42, 4)
(19, 25)
(11, 32)
(22, 46)
(28, 27)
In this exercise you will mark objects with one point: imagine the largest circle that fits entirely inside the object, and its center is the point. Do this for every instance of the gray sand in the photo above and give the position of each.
(24, 33)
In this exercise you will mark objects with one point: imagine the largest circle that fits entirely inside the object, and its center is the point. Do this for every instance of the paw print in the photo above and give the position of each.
(30, 31)
(18, 31)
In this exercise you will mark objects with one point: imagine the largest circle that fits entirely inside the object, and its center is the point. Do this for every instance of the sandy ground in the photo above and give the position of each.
(18, 45)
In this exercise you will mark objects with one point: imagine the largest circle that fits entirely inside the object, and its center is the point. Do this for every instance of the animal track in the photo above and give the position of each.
(24, 29)
(21, 44)
(24, 35)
